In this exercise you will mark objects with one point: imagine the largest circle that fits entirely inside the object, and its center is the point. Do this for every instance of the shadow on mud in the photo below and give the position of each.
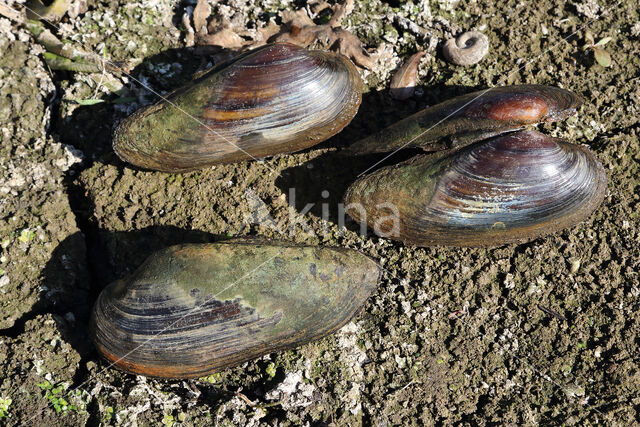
(90, 127)
(110, 256)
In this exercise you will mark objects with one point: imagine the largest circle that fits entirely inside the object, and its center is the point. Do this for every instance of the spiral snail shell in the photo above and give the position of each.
(190, 310)
(275, 99)
(467, 49)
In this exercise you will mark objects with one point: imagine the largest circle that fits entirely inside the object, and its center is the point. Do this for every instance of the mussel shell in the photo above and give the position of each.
(508, 189)
(190, 310)
(472, 117)
(279, 98)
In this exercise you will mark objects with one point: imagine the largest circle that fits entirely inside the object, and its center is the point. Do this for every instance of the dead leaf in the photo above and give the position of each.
(265, 33)
(216, 24)
(303, 32)
(225, 38)
(298, 18)
(297, 28)
(602, 56)
(351, 47)
(201, 13)
(589, 38)
(305, 36)
(340, 10)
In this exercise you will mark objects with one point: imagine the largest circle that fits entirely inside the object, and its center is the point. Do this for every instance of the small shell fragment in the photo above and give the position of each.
(403, 83)
(467, 49)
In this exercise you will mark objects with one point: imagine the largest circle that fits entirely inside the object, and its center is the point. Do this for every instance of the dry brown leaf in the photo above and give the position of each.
(201, 13)
(225, 38)
(298, 18)
(298, 28)
(216, 24)
(265, 33)
(350, 46)
(303, 32)
(305, 36)
(340, 10)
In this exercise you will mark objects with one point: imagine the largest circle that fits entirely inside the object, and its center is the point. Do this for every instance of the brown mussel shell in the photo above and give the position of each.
(278, 98)
(190, 310)
(472, 117)
(508, 189)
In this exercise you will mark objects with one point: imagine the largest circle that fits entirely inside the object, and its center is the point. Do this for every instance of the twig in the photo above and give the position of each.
(254, 404)
(59, 55)
(552, 313)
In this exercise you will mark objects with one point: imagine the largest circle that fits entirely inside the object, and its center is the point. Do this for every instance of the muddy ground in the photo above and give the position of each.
(540, 333)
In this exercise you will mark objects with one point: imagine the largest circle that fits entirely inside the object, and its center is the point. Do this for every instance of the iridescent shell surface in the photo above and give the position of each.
(190, 310)
(508, 189)
(278, 98)
(472, 117)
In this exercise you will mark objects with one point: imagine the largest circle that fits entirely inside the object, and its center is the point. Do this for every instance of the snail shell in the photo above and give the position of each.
(472, 117)
(190, 310)
(278, 98)
(467, 49)
(509, 189)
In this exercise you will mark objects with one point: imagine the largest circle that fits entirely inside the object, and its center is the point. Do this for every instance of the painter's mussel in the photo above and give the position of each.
(507, 189)
(190, 310)
(278, 98)
(472, 117)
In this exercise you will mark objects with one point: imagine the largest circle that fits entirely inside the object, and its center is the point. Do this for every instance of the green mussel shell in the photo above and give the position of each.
(191, 310)
(276, 99)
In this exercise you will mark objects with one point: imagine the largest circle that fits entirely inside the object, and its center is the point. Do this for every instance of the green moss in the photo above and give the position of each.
(211, 379)
(5, 402)
(271, 370)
